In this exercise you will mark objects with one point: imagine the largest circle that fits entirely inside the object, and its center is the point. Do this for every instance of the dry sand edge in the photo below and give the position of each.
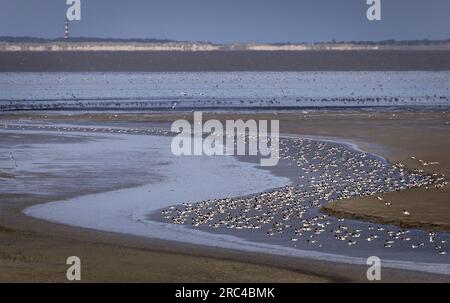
(429, 207)
(341, 212)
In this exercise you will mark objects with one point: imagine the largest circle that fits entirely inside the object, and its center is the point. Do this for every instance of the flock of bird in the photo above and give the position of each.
(85, 129)
(327, 172)
(74, 103)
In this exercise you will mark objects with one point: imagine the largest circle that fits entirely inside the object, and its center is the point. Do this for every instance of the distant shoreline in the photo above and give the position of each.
(101, 44)
(179, 61)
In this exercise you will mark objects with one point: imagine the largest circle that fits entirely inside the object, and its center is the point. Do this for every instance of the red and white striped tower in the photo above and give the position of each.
(66, 29)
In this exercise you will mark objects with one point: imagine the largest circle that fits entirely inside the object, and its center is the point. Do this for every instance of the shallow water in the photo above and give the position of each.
(103, 91)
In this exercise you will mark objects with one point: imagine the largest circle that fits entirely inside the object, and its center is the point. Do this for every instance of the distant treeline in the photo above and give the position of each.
(133, 40)
(382, 42)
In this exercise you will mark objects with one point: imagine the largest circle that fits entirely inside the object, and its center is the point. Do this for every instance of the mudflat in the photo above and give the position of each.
(169, 61)
(34, 250)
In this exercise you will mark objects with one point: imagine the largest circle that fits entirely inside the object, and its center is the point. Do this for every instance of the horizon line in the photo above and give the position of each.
(163, 40)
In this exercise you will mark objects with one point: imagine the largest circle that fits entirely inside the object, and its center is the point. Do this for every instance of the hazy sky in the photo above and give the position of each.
(230, 20)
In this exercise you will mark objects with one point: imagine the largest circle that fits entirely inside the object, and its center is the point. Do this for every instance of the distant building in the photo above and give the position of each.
(66, 29)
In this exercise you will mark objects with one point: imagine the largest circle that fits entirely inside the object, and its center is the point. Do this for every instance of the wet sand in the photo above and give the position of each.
(28, 240)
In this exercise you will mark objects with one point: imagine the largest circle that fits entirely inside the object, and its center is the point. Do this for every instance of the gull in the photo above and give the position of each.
(371, 238)
(406, 213)
(14, 160)
(432, 235)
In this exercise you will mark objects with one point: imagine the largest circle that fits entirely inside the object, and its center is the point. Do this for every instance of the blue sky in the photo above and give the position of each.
(225, 21)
